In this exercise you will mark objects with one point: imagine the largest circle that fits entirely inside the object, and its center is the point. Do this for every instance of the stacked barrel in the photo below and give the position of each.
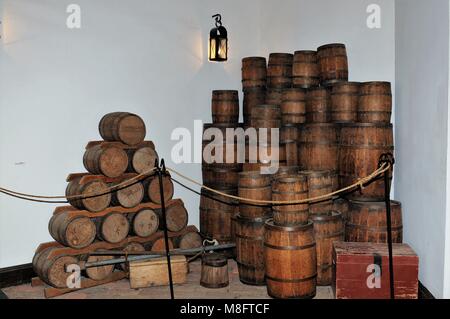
(120, 207)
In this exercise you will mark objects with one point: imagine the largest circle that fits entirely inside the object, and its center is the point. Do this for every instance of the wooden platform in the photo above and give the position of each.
(191, 289)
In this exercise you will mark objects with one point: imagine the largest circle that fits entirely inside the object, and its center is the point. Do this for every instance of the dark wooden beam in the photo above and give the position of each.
(2, 295)
(424, 293)
(16, 275)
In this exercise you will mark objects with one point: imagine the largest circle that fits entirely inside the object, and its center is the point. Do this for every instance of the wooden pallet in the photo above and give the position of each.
(120, 145)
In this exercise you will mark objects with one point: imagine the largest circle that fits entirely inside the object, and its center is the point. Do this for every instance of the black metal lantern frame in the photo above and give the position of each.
(218, 41)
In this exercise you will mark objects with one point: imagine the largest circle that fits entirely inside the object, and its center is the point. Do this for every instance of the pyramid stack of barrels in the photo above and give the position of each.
(332, 133)
(126, 218)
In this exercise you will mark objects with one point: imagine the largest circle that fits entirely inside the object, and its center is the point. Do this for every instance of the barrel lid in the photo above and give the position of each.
(325, 217)
(366, 125)
(290, 179)
(225, 91)
(347, 83)
(222, 125)
(254, 58)
(280, 54)
(305, 52)
(376, 82)
(270, 225)
(214, 259)
(380, 204)
(331, 45)
(255, 220)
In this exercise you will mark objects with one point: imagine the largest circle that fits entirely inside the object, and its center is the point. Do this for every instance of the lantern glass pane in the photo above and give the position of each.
(212, 49)
(223, 49)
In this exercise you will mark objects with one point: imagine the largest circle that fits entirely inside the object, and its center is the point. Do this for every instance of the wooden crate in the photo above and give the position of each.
(155, 272)
(354, 277)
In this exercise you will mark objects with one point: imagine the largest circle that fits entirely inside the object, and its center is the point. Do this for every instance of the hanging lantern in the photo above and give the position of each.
(218, 41)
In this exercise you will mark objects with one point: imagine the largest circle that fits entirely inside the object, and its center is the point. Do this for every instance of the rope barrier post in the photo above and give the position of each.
(388, 158)
(161, 169)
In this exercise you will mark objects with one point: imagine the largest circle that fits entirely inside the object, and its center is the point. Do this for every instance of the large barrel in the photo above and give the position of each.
(252, 97)
(254, 72)
(113, 228)
(254, 185)
(328, 228)
(78, 232)
(123, 127)
(110, 161)
(290, 259)
(318, 147)
(128, 195)
(333, 63)
(292, 188)
(375, 102)
(318, 105)
(279, 70)
(144, 223)
(305, 69)
(53, 270)
(250, 249)
(152, 189)
(367, 222)
(266, 116)
(225, 106)
(289, 141)
(274, 96)
(176, 218)
(293, 106)
(93, 204)
(344, 102)
(141, 160)
(361, 146)
(320, 183)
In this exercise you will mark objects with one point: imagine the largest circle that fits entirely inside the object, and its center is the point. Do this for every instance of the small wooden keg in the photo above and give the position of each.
(122, 127)
(274, 96)
(214, 271)
(254, 72)
(144, 223)
(159, 245)
(305, 70)
(333, 64)
(92, 204)
(225, 106)
(361, 146)
(254, 185)
(176, 218)
(110, 161)
(318, 105)
(250, 249)
(52, 270)
(290, 260)
(133, 247)
(152, 189)
(290, 189)
(344, 102)
(128, 195)
(328, 228)
(375, 102)
(367, 222)
(78, 232)
(318, 147)
(113, 228)
(320, 183)
(100, 272)
(188, 241)
(141, 160)
(279, 70)
(289, 140)
(252, 97)
(293, 106)
(265, 116)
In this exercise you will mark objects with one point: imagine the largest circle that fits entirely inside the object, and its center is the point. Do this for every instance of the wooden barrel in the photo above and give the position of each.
(110, 161)
(344, 102)
(305, 70)
(141, 160)
(216, 213)
(93, 204)
(254, 72)
(318, 105)
(361, 146)
(122, 127)
(318, 147)
(129, 195)
(188, 241)
(214, 271)
(264, 153)
(77, 232)
(132, 247)
(266, 116)
(375, 102)
(290, 259)
(328, 228)
(367, 222)
(250, 249)
(333, 64)
(225, 106)
(290, 189)
(274, 96)
(319, 183)
(113, 228)
(254, 185)
(176, 218)
(100, 272)
(293, 106)
(279, 70)
(152, 189)
(285, 171)
(159, 245)
(144, 223)
(341, 205)
(252, 97)
(289, 140)
(220, 178)
(52, 270)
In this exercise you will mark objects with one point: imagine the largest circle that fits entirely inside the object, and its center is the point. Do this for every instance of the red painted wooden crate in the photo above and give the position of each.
(357, 268)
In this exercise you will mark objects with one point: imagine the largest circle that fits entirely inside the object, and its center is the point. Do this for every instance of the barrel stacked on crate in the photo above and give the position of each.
(120, 207)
